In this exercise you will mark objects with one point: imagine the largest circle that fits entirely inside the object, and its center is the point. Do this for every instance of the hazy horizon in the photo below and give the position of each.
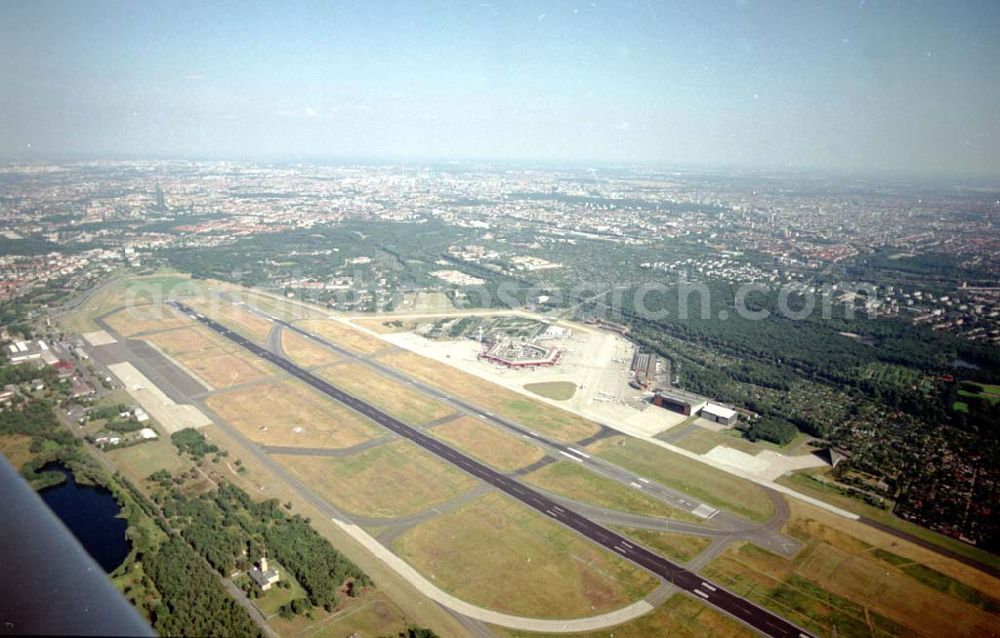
(861, 87)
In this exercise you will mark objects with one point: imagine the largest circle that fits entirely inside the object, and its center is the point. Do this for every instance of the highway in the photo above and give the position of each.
(749, 613)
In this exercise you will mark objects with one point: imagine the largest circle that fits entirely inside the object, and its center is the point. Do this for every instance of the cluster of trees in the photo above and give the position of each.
(193, 442)
(770, 429)
(192, 602)
(230, 530)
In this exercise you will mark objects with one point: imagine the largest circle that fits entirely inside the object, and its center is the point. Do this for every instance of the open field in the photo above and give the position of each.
(556, 390)
(15, 448)
(370, 614)
(132, 321)
(559, 424)
(305, 352)
(225, 369)
(387, 325)
(289, 413)
(218, 363)
(139, 461)
(841, 588)
(569, 479)
(390, 480)
(406, 404)
(700, 440)
(499, 554)
(713, 486)
(236, 318)
(676, 547)
(344, 336)
(488, 443)
(988, 392)
(803, 482)
(681, 616)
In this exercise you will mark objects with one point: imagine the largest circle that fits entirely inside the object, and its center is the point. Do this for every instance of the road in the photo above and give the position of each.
(751, 614)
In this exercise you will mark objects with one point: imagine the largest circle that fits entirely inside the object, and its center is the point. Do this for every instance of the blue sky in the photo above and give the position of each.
(906, 85)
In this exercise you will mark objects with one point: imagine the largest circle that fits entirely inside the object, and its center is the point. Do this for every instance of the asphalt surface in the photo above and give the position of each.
(755, 616)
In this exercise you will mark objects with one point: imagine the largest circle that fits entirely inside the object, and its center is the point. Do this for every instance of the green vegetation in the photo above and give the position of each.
(677, 547)
(193, 603)
(713, 486)
(191, 441)
(569, 479)
(773, 430)
(557, 390)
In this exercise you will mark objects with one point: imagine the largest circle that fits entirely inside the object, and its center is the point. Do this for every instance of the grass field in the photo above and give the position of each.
(401, 401)
(236, 318)
(293, 415)
(305, 352)
(559, 424)
(15, 448)
(129, 322)
(803, 482)
(370, 614)
(676, 547)
(344, 336)
(681, 616)
(701, 440)
(569, 479)
(989, 392)
(139, 461)
(134, 290)
(556, 390)
(395, 479)
(488, 443)
(701, 481)
(497, 553)
(219, 363)
(836, 591)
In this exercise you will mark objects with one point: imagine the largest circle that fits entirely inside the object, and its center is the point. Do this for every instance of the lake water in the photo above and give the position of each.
(90, 512)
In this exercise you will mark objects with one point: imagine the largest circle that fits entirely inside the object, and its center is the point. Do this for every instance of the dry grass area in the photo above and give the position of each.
(401, 401)
(677, 547)
(370, 614)
(235, 317)
(840, 584)
(387, 325)
(701, 481)
(559, 424)
(132, 321)
(679, 617)
(219, 363)
(139, 461)
(808, 522)
(488, 443)
(571, 480)
(499, 554)
(305, 352)
(15, 448)
(289, 413)
(395, 479)
(344, 336)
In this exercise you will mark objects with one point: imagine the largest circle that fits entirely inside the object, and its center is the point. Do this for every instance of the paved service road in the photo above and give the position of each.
(744, 610)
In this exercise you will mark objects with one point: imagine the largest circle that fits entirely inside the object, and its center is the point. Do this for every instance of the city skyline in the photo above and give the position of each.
(866, 87)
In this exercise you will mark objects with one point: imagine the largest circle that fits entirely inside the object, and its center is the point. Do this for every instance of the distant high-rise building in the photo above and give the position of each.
(161, 203)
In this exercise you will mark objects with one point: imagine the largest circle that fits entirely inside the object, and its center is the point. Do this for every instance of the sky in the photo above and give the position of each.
(857, 85)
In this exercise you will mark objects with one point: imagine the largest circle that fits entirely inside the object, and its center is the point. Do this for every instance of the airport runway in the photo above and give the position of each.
(755, 616)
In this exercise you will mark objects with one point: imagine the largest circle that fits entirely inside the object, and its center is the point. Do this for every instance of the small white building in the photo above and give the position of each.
(263, 576)
(719, 413)
(147, 434)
